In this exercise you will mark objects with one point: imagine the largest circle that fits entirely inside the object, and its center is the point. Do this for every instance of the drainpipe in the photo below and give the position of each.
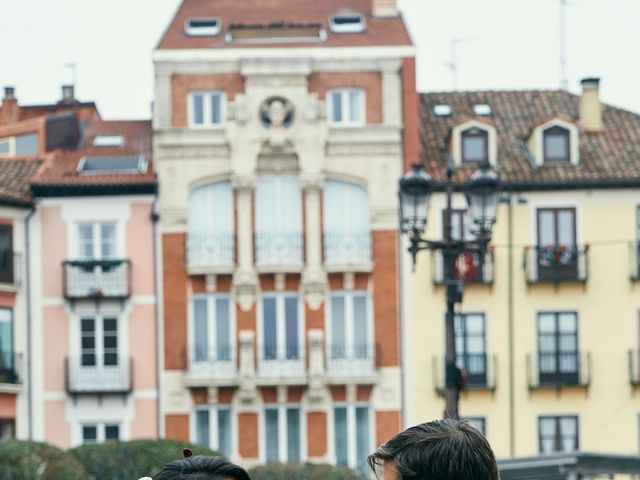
(157, 275)
(510, 315)
(27, 283)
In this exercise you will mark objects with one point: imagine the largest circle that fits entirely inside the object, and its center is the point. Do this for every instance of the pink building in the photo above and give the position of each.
(90, 331)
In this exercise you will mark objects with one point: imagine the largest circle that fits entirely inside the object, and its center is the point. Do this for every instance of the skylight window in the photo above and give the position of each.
(442, 110)
(347, 23)
(202, 27)
(112, 165)
(482, 109)
(276, 33)
(108, 141)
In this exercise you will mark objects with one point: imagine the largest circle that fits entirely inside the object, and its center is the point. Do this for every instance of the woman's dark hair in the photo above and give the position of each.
(439, 450)
(202, 468)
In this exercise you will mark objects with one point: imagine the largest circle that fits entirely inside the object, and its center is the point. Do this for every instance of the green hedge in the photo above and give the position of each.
(21, 460)
(278, 471)
(131, 460)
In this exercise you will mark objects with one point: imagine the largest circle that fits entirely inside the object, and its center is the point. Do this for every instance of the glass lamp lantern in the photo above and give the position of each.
(415, 193)
(482, 200)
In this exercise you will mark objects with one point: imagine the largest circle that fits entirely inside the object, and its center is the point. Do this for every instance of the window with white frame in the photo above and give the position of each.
(214, 429)
(278, 222)
(558, 433)
(352, 435)
(211, 227)
(99, 341)
(97, 240)
(100, 432)
(20, 145)
(281, 330)
(283, 434)
(350, 337)
(212, 332)
(479, 423)
(556, 144)
(6, 337)
(475, 145)
(346, 107)
(347, 234)
(207, 109)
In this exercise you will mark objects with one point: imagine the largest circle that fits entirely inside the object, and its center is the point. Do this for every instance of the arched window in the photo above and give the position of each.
(278, 207)
(475, 145)
(210, 241)
(556, 144)
(347, 235)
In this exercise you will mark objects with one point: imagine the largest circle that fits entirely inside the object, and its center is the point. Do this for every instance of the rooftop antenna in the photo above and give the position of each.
(564, 80)
(452, 64)
(72, 69)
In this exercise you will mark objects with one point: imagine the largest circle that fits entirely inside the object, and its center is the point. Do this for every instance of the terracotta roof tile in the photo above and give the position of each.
(379, 31)
(61, 169)
(14, 180)
(611, 156)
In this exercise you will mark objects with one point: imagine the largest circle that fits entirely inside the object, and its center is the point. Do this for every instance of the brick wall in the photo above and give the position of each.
(175, 301)
(385, 298)
(370, 82)
(317, 434)
(177, 427)
(410, 102)
(248, 426)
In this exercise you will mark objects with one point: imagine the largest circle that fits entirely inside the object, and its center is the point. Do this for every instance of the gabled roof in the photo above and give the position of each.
(610, 157)
(59, 174)
(379, 31)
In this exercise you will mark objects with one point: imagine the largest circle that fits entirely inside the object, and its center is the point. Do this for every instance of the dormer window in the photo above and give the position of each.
(442, 110)
(347, 23)
(202, 27)
(556, 144)
(475, 147)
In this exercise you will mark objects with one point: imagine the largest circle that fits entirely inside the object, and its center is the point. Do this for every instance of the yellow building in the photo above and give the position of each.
(549, 328)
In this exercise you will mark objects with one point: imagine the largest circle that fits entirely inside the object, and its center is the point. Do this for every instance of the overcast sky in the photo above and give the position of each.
(504, 44)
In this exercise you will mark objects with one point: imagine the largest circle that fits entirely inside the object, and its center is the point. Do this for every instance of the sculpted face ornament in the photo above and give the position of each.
(276, 113)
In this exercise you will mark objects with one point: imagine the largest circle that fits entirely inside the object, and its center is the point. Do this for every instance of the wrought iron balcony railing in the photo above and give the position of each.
(347, 248)
(282, 361)
(559, 370)
(556, 263)
(279, 248)
(470, 268)
(212, 363)
(98, 379)
(10, 269)
(479, 371)
(210, 251)
(357, 359)
(10, 368)
(97, 279)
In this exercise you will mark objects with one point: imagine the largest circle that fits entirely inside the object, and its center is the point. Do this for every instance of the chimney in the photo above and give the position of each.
(590, 107)
(9, 112)
(385, 8)
(67, 94)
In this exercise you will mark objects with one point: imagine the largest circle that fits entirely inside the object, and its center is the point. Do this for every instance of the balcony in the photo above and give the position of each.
(282, 364)
(634, 261)
(556, 263)
(10, 271)
(279, 251)
(10, 370)
(98, 379)
(470, 268)
(479, 370)
(96, 279)
(210, 253)
(558, 370)
(211, 367)
(347, 250)
(355, 363)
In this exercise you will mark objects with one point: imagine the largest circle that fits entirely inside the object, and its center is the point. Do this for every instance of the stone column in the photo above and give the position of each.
(391, 92)
(247, 368)
(314, 277)
(162, 102)
(245, 279)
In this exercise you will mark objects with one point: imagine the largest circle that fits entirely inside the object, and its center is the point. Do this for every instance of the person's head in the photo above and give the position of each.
(438, 450)
(202, 468)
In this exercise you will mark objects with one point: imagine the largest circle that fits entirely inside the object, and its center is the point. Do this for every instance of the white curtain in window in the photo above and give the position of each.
(6, 335)
(547, 434)
(569, 433)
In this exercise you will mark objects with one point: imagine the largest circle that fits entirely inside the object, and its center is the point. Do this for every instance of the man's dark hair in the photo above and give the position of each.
(202, 468)
(439, 450)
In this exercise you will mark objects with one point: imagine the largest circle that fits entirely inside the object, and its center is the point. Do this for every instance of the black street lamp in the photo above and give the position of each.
(416, 188)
